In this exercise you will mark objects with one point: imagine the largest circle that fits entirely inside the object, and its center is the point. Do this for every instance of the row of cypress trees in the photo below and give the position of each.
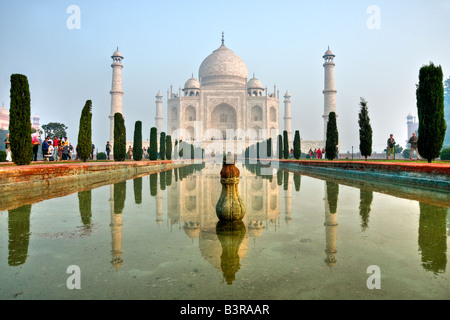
(430, 106)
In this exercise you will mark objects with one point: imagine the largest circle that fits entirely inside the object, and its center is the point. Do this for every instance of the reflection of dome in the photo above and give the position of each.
(223, 67)
(255, 228)
(192, 83)
(192, 229)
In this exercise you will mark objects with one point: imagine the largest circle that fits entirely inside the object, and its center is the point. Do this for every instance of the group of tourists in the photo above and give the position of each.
(56, 149)
(317, 153)
(412, 141)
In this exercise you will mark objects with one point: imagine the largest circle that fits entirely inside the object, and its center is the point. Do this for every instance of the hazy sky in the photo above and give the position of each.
(379, 47)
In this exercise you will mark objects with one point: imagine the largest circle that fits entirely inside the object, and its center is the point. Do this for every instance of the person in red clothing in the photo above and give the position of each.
(319, 154)
(55, 147)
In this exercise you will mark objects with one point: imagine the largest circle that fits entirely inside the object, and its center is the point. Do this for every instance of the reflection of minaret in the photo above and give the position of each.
(116, 232)
(159, 207)
(287, 197)
(331, 224)
(19, 234)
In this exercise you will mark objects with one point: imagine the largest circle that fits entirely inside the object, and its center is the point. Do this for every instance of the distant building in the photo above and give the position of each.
(4, 119)
(412, 125)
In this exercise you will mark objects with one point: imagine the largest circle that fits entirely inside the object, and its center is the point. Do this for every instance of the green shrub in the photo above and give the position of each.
(2, 156)
(445, 154)
(101, 156)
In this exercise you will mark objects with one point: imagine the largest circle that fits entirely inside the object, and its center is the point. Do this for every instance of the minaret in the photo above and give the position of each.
(116, 91)
(159, 113)
(287, 116)
(329, 90)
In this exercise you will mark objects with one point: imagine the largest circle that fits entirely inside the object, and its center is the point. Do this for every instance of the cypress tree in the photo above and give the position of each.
(137, 141)
(137, 186)
(332, 195)
(365, 130)
(162, 146)
(168, 147)
(20, 120)
(85, 132)
(297, 148)
(332, 137)
(120, 194)
(285, 144)
(269, 148)
(120, 142)
(430, 109)
(153, 154)
(280, 147)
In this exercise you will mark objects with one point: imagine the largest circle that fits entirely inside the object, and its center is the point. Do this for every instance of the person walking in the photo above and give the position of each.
(108, 149)
(8, 148)
(413, 142)
(391, 147)
(55, 147)
(45, 149)
(36, 143)
(319, 154)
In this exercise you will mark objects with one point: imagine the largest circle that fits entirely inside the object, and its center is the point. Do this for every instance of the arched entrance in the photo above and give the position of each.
(223, 117)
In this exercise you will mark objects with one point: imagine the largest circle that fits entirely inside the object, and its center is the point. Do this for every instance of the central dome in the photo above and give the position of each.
(223, 68)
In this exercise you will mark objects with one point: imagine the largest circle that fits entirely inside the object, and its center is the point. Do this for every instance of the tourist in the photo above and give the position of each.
(70, 151)
(130, 152)
(60, 147)
(310, 153)
(55, 147)
(45, 148)
(36, 143)
(65, 152)
(391, 147)
(92, 152)
(49, 155)
(413, 142)
(291, 153)
(108, 149)
(8, 148)
(319, 154)
(323, 153)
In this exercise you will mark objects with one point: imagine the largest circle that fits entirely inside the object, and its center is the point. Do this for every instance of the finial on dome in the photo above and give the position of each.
(253, 74)
(192, 74)
(223, 38)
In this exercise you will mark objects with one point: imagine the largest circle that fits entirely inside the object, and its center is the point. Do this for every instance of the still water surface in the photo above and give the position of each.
(158, 237)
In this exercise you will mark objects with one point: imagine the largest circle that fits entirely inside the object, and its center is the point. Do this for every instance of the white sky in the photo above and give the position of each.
(282, 42)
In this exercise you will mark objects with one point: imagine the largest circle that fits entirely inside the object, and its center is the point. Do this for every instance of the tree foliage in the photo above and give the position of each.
(137, 142)
(53, 129)
(162, 146)
(285, 144)
(365, 130)
(430, 109)
(120, 142)
(332, 137)
(153, 154)
(297, 145)
(20, 120)
(447, 111)
(85, 132)
(280, 146)
(168, 147)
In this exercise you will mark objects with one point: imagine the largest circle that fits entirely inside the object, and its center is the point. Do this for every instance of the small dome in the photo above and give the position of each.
(159, 95)
(192, 83)
(328, 53)
(254, 83)
(117, 54)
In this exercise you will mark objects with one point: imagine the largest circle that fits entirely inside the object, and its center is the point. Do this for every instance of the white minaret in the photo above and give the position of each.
(287, 116)
(159, 113)
(116, 90)
(329, 90)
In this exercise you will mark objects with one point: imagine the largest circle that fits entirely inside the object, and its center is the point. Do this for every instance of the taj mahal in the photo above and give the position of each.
(223, 104)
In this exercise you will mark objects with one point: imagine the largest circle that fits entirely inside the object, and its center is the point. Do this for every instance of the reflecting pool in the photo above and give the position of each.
(158, 237)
